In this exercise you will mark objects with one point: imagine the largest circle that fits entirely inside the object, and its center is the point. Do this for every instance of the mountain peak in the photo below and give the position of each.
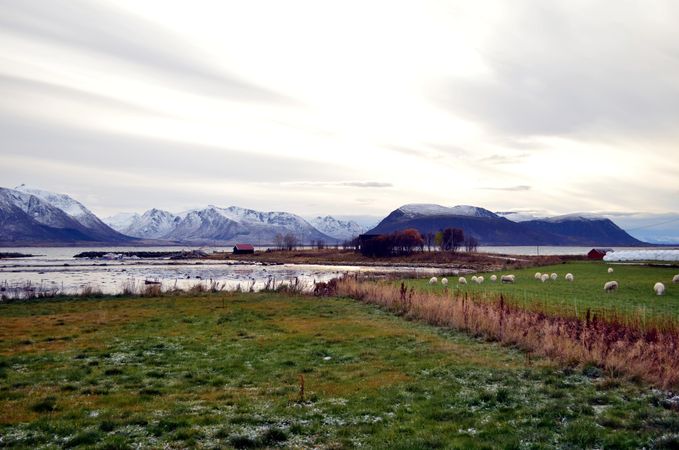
(431, 209)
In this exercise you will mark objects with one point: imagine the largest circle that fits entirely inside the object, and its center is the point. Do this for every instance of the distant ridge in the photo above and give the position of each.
(30, 219)
(492, 229)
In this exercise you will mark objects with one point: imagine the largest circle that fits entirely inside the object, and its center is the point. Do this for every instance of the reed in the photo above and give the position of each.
(632, 346)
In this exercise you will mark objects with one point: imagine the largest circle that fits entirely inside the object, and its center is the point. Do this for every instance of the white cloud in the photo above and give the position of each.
(350, 107)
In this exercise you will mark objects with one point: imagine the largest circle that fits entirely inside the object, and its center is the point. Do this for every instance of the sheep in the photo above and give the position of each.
(507, 278)
(433, 280)
(479, 279)
(569, 277)
(610, 270)
(544, 277)
(462, 280)
(659, 288)
(554, 276)
(444, 281)
(473, 278)
(611, 286)
(493, 278)
(675, 279)
(538, 275)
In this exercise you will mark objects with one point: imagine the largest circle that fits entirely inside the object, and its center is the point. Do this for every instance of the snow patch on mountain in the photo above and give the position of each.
(67, 204)
(339, 229)
(430, 209)
(153, 224)
(574, 217)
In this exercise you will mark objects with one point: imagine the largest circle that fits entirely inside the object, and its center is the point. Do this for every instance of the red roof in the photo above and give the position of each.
(244, 247)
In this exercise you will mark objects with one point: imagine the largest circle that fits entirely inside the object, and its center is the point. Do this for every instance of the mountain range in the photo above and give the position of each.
(36, 217)
(31, 216)
(490, 228)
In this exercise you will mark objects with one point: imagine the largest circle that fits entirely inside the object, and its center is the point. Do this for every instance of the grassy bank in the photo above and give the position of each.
(635, 297)
(226, 370)
(458, 260)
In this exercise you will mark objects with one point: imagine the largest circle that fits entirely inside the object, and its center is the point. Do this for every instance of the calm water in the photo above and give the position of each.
(55, 269)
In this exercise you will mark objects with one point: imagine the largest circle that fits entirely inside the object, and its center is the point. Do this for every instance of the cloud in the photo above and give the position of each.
(504, 159)
(105, 32)
(521, 187)
(560, 68)
(358, 184)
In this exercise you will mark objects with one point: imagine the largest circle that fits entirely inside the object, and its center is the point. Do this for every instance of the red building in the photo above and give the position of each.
(598, 253)
(243, 249)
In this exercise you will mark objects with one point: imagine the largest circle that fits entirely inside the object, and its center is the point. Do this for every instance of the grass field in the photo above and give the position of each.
(635, 295)
(223, 370)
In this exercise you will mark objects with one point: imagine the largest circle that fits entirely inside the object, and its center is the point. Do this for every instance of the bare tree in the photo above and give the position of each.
(290, 241)
(471, 244)
(279, 241)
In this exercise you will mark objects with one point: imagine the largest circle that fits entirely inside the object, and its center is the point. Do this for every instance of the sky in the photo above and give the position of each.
(351, 107)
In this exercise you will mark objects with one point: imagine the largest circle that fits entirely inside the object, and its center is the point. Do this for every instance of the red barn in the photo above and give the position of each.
(598, 253)
(243, 249)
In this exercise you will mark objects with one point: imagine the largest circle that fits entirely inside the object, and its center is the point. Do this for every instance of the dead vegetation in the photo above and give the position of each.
(639, 348)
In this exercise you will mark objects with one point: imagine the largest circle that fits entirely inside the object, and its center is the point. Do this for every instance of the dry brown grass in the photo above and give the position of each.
(635, 348)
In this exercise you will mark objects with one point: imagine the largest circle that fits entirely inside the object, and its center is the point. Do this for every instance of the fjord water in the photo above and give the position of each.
(56, 269)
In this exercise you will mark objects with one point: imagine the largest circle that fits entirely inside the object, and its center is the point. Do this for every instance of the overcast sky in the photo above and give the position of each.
(351, 107)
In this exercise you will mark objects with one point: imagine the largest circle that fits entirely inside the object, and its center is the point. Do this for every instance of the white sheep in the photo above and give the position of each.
(610, 270)
(659, 288)
(473, 278)
(554, 276)
(462, 280)
(444, 281)
(507, 278)
(493, 278)
(538, 275)
(569, 277)
(611, 286)
(479, 279)
(675, 279)
(433, 280)
(544, 277)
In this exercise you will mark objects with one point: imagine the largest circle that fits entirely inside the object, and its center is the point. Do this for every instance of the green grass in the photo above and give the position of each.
(634, 297)
(223, 371)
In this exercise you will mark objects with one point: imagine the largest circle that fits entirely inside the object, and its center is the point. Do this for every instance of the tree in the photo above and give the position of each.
(278, 241)
(471, 244)
(290, 241)
(429, 237)
(457, 239)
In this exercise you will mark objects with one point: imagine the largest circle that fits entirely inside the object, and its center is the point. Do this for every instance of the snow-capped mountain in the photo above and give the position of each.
(339, 229)
(153, 224)
(427, 209)
(27, 219)
(492, 229)
(215, 224)
(518, 216)
(77, 211)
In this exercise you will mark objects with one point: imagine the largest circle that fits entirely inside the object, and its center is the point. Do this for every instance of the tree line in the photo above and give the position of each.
(406, 241)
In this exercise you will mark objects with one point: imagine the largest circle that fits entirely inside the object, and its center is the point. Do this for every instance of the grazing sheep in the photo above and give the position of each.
(544, 277)
(659, 288)
(507, 278)
(610, 270)
(473, 278)
(462, 280)
(493, 278)
(538, 275)
(433, 280)
(554, 276)
(444, 281)
(569, 277)
(479, 280)
(675, 279)
(611, 286)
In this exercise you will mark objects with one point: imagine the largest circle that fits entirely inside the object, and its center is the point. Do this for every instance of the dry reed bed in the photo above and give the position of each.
(636, 348)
